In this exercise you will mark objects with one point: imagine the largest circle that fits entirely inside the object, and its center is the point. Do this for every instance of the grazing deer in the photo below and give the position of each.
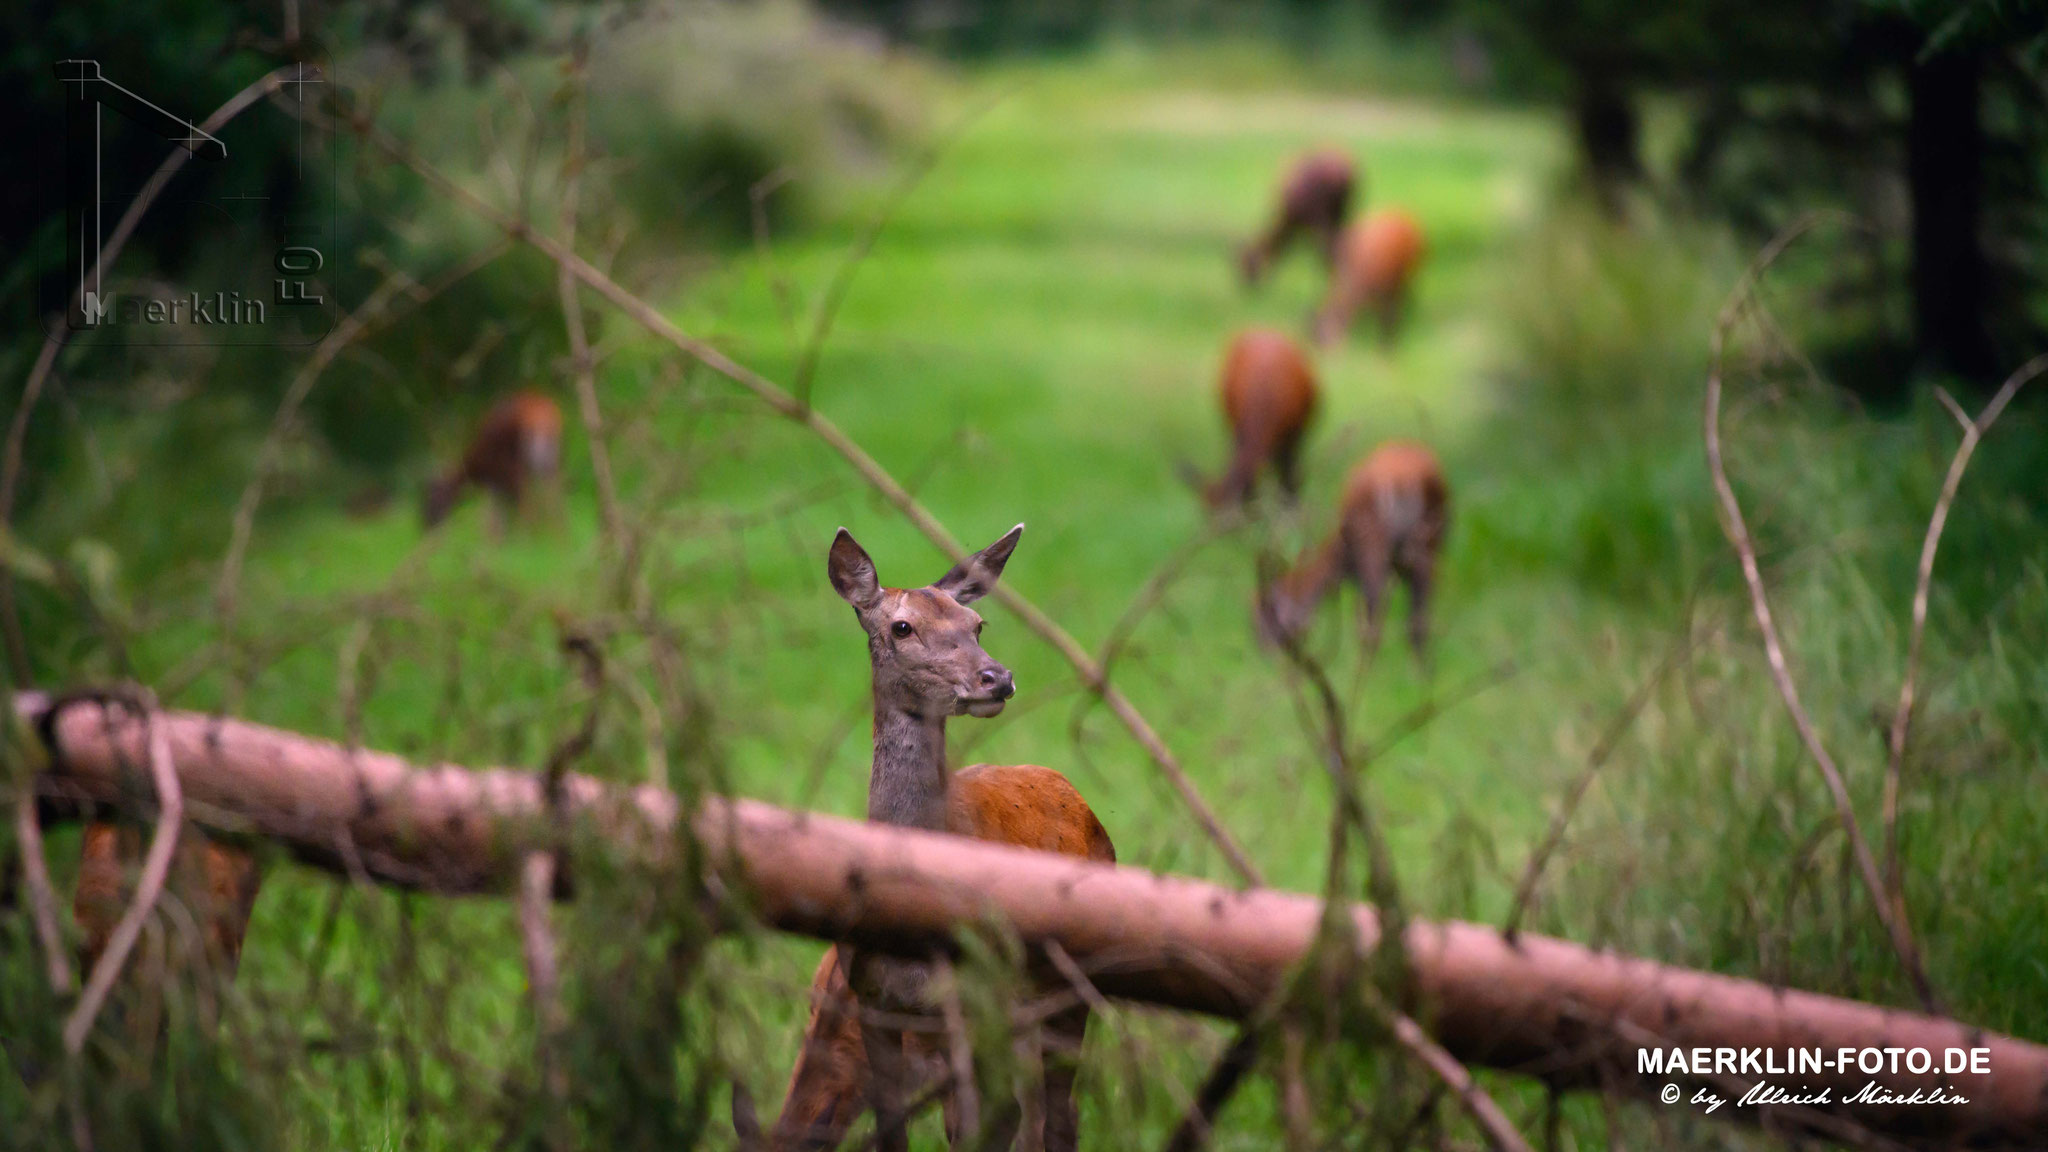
(1269, 395)
(1315, 198)
(1395, 510)
(518, 443)
(924, 647)
(1376, 263)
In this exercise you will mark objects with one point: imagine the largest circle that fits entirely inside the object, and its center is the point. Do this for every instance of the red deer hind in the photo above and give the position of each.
(518, 444)
(1395, 510)
(1375, 269)
(1314, 200)
(1269, 395)
(924, 649)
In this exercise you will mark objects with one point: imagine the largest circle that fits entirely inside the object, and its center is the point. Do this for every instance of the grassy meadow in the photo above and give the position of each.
(1035, 337)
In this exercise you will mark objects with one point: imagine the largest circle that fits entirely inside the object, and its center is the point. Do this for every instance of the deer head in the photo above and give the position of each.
(440, 498)
(1286, 601)
(925, 643)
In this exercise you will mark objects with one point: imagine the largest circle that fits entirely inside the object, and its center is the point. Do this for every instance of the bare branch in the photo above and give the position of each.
(1902, 716)
(365, 319)
(1500, 1132)
(580, 366)
(960, 1056)
(835, 293)
(156, 869)
(1160, 939)
(543, 972)
(1222, 1082)
(1553, 837)
(1737, 530)
(59, 334)
(871, 471)
(538, 875)
(42, 898)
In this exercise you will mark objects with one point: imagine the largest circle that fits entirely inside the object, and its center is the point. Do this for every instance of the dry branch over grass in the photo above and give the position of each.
(156, 869)
(1577, 1015)
(1902, 715)
(1889, 907)
(870, 470)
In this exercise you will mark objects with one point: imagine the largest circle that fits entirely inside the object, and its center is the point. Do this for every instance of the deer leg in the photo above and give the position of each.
(1062, 1066)
(825, 1092)
(1419, 573)
(98, 901)
(888, 1077)
(1370, 565)
(232, 881)
(1391, 305)
(1287, 461)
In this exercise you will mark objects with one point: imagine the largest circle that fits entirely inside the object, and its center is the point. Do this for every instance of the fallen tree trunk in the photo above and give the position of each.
(1533, 1005)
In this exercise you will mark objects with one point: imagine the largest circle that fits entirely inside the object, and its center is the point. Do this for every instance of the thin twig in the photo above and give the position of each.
(871, 471)
(543, 973)
(960, 1053)
(1500, 1131)
(1610, 739)
(42, 898)
(156, 868)
(538, 874)
(59, 334)
(1737, 530)
(1225, 1076)
(580, 365)
(1159, 584)
(365, 319)
(835, 293)
(1902, 716)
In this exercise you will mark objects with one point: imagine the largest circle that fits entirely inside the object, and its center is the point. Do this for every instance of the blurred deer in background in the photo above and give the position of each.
(1395, 510)
(1315, 199)
(214, 885)
(518, 445)
(1376, 264)
(1269, 396)
(924, 649)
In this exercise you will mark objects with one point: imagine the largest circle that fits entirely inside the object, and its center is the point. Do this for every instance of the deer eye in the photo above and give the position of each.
(900, 629)
(977, 629)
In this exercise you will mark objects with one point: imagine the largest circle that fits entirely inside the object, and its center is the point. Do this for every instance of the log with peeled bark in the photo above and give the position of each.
(1533, 1005)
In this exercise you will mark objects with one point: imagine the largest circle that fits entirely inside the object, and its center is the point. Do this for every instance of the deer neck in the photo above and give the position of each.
(908, 783)
(1319, 570)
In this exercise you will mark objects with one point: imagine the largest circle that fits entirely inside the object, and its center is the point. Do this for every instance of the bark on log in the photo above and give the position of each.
(1535, 1005)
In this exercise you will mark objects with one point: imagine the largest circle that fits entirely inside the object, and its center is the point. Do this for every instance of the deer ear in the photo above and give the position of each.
(852, 572)
(976, 576)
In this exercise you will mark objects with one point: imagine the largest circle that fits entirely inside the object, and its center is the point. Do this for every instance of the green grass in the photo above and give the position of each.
(1035, 337)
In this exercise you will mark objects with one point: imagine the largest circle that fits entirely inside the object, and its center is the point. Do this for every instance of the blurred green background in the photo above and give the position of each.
(1053, 192)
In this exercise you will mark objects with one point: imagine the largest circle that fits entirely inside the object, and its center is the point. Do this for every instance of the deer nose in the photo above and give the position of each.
(998, 683)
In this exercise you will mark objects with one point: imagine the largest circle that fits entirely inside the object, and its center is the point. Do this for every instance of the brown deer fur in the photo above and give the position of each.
(1376, 264)
(1269, 395)
(1395, 510)
(216, 882)
(518, 442)
(1314, 200)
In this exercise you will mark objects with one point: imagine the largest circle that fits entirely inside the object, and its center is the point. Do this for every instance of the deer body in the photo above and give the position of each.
(1376, 263)
(518, 443)
(1269, 395)
(928, 664)
(1315, 198)
(1395, 510)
